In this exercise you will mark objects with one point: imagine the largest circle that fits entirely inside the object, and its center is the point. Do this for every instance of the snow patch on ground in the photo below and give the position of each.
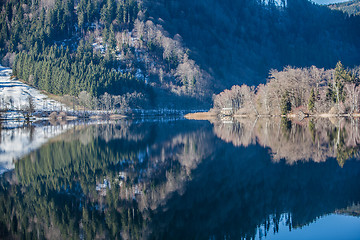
(14, 95)
(15, 141)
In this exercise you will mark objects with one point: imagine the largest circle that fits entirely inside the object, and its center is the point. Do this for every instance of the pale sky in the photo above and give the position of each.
(328, 1)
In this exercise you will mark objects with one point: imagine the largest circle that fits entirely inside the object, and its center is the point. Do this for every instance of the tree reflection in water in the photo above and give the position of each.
(180, 180)
(309, 140)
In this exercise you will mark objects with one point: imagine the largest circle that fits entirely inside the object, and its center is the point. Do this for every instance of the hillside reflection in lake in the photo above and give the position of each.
(182, 180)
(309, 140)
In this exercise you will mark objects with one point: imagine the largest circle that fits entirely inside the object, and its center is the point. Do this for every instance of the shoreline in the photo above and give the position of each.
(210, 115)
(60, 116)
(95, 115)
(201, 116)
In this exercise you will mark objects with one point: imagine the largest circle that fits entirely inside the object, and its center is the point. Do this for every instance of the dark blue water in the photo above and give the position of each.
(188, 180)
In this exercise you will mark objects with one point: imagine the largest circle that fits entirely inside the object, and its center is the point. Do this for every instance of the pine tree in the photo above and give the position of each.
(285, 104)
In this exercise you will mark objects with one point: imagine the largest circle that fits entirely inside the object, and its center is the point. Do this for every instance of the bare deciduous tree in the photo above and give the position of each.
(105, 100)
(293, 87)
(85, 100)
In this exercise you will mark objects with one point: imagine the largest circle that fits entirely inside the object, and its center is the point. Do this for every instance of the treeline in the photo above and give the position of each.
(108, 102)
(179, 48)
(26, 22)
(58, 71)
(108, 12)
(48, 45)
(310, 90)
(66, 47)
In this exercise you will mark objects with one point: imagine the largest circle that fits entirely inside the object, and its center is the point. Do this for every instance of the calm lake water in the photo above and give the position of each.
(181, 179)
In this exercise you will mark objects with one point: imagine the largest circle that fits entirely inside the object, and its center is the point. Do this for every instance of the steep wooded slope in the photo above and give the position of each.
(240, 41)
(169, 50)
(350, 7)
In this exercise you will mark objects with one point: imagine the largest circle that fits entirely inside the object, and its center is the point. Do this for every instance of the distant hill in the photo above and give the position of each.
(169, 50)
(240, 41)
(351, 7)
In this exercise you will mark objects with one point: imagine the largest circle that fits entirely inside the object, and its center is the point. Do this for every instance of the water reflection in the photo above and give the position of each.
(311, 139)
(174, 180)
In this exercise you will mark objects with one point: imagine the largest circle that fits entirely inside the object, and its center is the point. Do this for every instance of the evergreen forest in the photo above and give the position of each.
(172, 52)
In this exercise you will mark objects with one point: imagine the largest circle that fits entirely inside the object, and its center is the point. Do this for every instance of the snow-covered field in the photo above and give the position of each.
(14, 95)
(16, 141)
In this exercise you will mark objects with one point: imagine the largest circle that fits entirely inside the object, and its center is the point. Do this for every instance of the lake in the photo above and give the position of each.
(181, 179)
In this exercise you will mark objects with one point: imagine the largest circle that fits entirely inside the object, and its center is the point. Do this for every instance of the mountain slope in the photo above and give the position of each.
(171, 51)
(240, 41)
(350, 7)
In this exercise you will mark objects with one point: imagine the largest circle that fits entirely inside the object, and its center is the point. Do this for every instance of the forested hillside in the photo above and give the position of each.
(293, 90)
(350, 7)
(240, 41)
(168, 50)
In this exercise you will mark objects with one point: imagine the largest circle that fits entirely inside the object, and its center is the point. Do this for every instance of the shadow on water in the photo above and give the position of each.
(181, 180)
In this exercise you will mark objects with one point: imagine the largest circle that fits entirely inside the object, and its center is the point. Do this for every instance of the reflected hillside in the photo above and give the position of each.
(118, 172)
(16, 142)
(310, 139)
(173, 180)
(239, 192)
